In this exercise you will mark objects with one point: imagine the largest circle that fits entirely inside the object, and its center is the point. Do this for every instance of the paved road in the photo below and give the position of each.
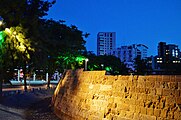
(41, 111)
(35, 103)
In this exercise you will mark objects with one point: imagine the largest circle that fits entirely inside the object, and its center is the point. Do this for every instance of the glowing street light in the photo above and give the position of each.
(102, 65)
(1, 21)
(86, 60)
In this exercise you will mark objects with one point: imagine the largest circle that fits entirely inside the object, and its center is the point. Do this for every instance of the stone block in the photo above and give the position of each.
(178, 78)
(164, 113)
(152, 91)
(160, 118)
(179, 85)
(173, 78)
(148, 117)
(166, 78)
(143, 110)
(157, 112)
(173, 85)
(140, 103)
(129, 114)
(149, 111)
(125, 107)
(177, 94)
(178, 100)
(157, 84)
(151, 78)
(170, 115)
(167, 92)
(149, 97)
(105, 87)
(122, 113)
(136, 116)
(141, 90)
(150, 84)
(138, 109)
(170, 100)
(164, 85)
(137, 90)
(116, 94)
(159, 78)
(177, 115)
(133, 108)
(159, 91)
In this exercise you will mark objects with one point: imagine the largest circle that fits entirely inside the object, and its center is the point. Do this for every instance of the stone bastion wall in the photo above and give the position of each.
(92, 95)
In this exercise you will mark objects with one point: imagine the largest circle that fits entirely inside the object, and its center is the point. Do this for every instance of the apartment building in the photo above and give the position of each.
(106, 41)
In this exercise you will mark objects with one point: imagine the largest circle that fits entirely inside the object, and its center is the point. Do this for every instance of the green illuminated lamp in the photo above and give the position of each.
(108, 68)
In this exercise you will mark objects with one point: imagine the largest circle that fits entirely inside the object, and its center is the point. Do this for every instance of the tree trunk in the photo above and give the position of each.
(48, 84)
(24, 76)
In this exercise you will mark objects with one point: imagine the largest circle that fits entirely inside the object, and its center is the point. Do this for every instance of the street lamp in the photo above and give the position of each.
(102, 65)
(86, 60)
(1, 21)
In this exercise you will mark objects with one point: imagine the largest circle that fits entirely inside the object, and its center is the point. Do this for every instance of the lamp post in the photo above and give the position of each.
(102, 65)
(86, 60)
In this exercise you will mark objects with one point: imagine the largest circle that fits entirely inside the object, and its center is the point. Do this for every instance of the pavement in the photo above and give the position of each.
(27, 106)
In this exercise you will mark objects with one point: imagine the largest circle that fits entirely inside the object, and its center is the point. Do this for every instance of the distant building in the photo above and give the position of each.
(167, 60)
(168, 53)
(127, 54)
(106, 41)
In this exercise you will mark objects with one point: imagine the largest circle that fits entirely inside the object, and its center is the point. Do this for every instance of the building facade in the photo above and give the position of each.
(106, 41)
(168, 53)
(167, 61)
(127, 54)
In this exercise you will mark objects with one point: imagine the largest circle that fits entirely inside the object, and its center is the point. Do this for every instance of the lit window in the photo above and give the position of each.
(173, 53)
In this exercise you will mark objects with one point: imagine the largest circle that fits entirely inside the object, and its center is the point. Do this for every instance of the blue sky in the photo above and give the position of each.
(134, 21)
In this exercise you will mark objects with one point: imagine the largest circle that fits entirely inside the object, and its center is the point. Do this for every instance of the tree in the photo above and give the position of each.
(28, 14)
(19, 47)
(24, 12)
(46, 37)
(61, 40)
(110, 63)
(140, 66)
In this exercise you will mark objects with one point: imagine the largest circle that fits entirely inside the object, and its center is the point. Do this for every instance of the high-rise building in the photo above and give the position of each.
(106, 41)
(168, 53)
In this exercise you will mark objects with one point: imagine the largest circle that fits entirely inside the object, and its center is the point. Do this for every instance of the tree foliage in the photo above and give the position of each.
(31, 40)
(110, 63)
(140, 66)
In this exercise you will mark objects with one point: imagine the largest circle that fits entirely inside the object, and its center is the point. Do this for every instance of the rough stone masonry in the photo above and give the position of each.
(92, 95)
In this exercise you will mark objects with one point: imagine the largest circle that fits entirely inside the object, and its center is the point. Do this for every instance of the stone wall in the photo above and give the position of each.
(92, 95)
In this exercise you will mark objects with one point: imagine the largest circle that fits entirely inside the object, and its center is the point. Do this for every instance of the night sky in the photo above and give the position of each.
(134, 21)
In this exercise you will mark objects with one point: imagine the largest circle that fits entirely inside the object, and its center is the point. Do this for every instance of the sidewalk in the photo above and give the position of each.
(17, 106)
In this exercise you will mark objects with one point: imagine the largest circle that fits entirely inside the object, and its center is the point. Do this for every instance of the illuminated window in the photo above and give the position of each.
(159, 61)
(173, 53)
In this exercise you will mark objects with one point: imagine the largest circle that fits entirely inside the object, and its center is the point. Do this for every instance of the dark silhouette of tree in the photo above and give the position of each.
(28, 14)
(47, 37)
(140, 66)
(110, 63)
